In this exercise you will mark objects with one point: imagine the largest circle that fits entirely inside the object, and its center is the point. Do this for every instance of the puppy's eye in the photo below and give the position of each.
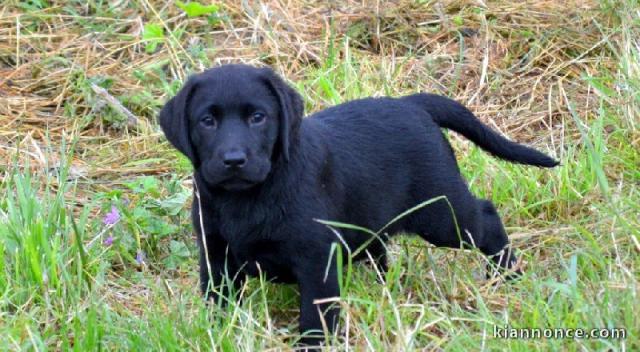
(208, 121)
(257, 118)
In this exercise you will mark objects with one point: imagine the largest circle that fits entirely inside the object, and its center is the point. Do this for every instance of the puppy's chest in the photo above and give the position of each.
(244, 228)
(264, 258)
(254, 235)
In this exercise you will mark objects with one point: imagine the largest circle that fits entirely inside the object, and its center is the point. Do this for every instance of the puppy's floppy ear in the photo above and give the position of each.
(174, 120)
(291, 110)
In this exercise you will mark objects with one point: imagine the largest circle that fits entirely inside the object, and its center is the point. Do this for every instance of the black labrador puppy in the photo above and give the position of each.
(264, 174)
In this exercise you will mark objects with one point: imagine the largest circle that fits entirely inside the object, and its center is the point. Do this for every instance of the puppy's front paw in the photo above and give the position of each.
(310, 343)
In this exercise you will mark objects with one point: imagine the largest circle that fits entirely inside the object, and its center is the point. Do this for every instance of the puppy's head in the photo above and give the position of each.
(233, 122)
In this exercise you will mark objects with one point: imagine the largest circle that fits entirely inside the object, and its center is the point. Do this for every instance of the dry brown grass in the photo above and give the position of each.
(518, 61)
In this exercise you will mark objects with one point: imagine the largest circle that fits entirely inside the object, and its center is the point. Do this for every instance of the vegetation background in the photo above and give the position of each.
(96, 250)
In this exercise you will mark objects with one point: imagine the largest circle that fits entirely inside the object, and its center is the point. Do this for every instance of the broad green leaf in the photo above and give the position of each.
(153, 35)
(179, 249)
(196, 9)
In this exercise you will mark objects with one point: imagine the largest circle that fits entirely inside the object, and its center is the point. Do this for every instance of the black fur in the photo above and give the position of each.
(262, 184)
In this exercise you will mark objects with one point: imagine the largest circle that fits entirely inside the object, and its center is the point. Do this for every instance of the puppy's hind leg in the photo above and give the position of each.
(476, 225)
(495, 243)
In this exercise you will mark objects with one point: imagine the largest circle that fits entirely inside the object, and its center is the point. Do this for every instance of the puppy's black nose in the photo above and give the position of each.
(234, 159)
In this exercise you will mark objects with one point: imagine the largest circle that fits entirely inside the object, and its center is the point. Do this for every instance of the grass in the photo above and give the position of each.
(562, 76)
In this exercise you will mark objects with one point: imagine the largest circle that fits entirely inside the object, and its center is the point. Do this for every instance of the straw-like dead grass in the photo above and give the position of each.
(512, 63)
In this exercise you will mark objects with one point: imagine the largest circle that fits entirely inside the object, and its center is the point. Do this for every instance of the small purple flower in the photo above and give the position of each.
(140, 258)
(112, 217)
(108, 241)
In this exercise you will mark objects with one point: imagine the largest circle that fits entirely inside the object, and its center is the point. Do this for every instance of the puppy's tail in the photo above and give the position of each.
(452, 115)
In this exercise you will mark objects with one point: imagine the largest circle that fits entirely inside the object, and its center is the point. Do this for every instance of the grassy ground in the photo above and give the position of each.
(81, 83)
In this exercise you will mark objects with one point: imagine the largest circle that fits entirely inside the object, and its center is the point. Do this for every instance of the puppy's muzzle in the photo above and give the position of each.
(234, 160)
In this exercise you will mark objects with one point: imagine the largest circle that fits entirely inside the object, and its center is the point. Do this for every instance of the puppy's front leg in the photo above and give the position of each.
(318, 299)
(219, 272)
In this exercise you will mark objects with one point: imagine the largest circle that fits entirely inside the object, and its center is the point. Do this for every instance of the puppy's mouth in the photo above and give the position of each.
(235, 184)
(233, 180)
